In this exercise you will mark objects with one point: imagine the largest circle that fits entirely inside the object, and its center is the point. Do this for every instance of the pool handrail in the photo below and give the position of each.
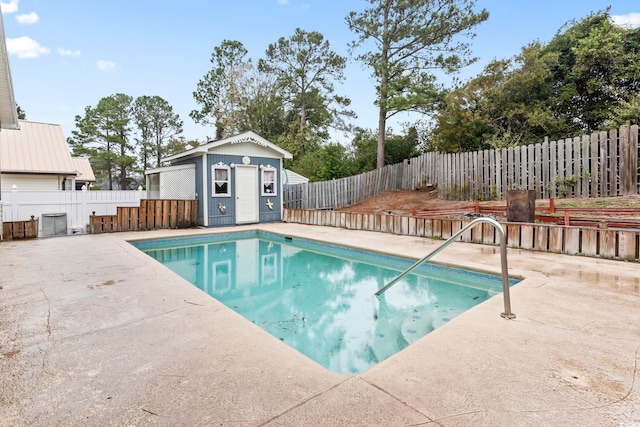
(507, 314)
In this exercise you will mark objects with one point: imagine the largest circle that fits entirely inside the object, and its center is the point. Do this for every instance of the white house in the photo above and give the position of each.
(8, 113)
(36, 157)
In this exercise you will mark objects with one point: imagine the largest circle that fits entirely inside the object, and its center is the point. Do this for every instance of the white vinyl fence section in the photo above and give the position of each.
(65, 210)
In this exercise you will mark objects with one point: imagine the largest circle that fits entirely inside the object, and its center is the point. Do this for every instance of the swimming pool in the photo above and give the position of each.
(318, 298)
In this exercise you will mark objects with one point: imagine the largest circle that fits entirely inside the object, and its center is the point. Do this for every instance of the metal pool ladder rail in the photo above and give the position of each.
(503, 261)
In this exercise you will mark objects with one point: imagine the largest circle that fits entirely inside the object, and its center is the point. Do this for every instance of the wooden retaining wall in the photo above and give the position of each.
(20, 230)
(571, 240)
(150, 215)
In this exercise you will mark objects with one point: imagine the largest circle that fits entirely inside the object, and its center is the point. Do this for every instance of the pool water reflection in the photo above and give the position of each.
(318, 298)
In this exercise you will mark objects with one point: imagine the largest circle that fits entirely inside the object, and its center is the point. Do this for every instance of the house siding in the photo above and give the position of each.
(216, 217)
(24, 182)
(217, 210)
(228, 218)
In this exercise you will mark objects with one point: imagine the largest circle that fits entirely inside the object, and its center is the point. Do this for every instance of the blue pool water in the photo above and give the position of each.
(317, 298)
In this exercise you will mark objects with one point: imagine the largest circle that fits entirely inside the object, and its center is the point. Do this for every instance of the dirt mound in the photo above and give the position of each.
(404, 202)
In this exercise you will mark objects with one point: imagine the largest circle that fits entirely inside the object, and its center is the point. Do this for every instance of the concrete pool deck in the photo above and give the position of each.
(94, 332)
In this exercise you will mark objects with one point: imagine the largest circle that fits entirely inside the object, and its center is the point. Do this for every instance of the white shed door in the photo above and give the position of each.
(246, 194)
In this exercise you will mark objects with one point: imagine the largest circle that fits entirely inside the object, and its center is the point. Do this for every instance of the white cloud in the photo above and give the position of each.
(10, 7)
(27, 18)
(26, 47)
(106, 65)
(283, 2)
(630, 20)
(67, 52)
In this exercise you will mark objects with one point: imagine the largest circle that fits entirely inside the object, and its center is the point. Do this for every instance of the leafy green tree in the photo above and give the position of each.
(178, 145)
(306, 69)
(335, 162)
(398, 148)
(626, 112)
(597, 69)
(263, 109)
(412, 39)
(364, 145)
(21, 114)
(219, 92)
(478, 112)
(104, 134)
(581, 81)
(401, 147)
(235, 96)
(157, 125)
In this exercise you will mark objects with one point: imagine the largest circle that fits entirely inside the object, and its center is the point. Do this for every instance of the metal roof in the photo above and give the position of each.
(84, 169)
(8, 113)
(35, 148)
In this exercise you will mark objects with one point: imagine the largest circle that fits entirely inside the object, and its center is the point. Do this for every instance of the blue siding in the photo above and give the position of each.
(218, 218)
(266, 214)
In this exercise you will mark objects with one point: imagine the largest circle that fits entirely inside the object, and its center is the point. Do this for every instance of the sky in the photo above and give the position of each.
(67, 55)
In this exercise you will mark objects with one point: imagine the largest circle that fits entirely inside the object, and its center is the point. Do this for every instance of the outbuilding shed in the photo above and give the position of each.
(237, 180)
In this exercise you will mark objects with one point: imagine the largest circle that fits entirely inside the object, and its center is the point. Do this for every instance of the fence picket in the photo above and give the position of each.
(600, 164)
(613, 161)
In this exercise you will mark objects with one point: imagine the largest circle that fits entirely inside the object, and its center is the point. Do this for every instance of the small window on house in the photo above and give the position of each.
(269, 184)
(220, 174)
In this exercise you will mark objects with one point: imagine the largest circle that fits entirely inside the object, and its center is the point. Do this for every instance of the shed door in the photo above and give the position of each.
(246, 194)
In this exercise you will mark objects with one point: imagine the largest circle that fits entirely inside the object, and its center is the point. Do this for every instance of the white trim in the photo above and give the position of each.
(281, 189)
(205, 191)
(7, 101)
(220, 166)
(170, 168)
(257, 194)
(264, 169)
(237, 139)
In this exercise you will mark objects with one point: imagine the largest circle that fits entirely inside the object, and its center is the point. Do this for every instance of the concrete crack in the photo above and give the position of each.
(406, 404)
(46, 352)
(633, 381)
(48, 313)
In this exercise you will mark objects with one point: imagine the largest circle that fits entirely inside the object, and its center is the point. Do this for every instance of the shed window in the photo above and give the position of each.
(269, 184)
(220, 174)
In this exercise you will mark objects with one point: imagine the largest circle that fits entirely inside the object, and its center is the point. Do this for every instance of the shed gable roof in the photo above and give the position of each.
(246, 137)
(35, 148)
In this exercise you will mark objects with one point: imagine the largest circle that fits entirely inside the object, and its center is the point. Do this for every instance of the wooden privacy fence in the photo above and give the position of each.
(571, 240)
(412, 173)
(597, 165)
(20, 230)
(150, 215)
